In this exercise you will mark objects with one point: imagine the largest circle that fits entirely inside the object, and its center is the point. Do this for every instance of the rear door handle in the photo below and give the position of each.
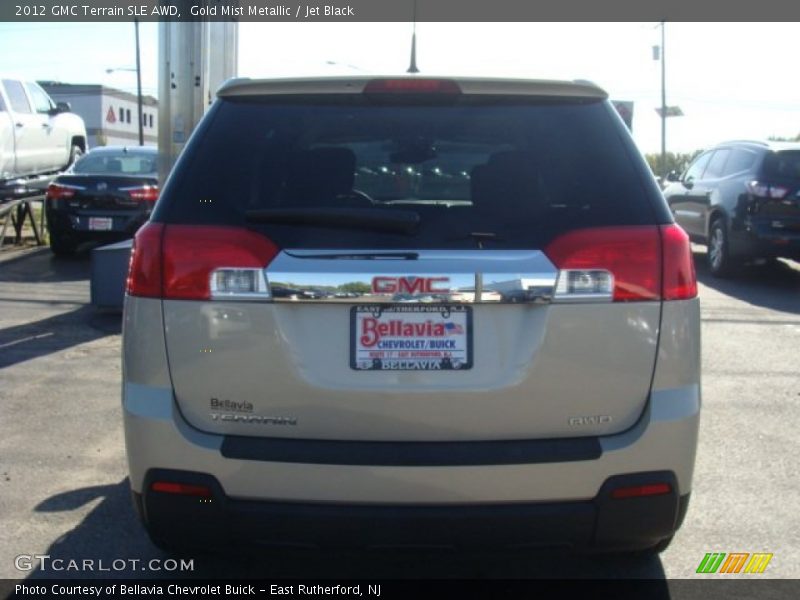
(20, 124)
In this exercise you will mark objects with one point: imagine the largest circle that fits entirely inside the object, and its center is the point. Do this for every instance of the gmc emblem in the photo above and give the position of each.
(409, 285)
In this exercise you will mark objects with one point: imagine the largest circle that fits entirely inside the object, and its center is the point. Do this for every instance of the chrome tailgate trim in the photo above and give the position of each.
(391, 276)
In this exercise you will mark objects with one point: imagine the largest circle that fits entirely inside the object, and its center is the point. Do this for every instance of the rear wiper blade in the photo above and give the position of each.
(357, 255)
(394, 221)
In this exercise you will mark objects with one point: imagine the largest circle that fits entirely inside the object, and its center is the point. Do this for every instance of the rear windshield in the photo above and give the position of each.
(486, 174)
(116, 164)
(783, 165)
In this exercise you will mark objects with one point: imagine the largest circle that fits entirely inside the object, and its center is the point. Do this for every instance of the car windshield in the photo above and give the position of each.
(122, 163)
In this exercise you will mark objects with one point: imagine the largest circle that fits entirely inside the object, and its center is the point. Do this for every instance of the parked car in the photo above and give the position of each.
(567, 417)
(37, 136)
(468, 295)
(104, 197)
(742, 200)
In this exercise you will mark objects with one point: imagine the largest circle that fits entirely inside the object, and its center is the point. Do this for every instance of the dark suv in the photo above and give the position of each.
(742, 199)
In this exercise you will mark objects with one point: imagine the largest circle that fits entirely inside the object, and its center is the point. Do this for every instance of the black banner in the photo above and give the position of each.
(649, 589)
(397, 10)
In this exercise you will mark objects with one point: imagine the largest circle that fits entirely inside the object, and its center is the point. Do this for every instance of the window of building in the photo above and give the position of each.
(121, 115)
(151, 121)
(128, 115)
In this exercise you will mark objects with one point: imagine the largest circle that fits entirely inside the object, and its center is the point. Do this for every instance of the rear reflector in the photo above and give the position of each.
(412, 86)
(182, 489)
(624, 264)
(195, 262)
(637, 491)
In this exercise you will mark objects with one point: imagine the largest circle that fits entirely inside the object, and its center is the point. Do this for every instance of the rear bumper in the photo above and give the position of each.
(513, 504)
(664, 439)
(74, 224)
(599, 523)
(760, 239)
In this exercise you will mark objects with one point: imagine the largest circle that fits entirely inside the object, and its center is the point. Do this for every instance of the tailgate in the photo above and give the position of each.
(458, 346)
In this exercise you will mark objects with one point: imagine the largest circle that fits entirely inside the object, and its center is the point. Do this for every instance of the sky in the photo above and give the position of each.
(731, 80)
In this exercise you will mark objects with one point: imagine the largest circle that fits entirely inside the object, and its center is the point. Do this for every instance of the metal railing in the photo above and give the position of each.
(16, 210)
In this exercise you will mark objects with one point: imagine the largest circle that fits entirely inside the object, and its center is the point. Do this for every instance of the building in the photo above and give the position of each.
(110, 114)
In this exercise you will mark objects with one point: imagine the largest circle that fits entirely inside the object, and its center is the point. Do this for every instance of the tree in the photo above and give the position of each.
(676, 161)
(356, 286)
(775, 138)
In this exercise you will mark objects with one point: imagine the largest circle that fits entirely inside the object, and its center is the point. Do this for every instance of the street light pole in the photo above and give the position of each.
(663, 106)
(139, 85)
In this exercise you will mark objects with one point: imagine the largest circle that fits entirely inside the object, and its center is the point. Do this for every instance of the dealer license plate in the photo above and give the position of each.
(101, 223)
(413, 337)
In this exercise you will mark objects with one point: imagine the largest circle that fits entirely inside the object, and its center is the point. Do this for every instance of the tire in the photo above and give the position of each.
(60, 247)
(659, 547)
(175, 545)
(74, 154)
(170, 547)
(643, 553)
(720, 263)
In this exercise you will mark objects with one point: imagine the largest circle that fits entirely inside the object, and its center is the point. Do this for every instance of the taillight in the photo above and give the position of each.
(412, 86)
(148, 193)
(195, 262)
(56, 191)
(623, 264)
(680, 280)
(619, 263)
(203, 261)
(762, 189)
(144, 273)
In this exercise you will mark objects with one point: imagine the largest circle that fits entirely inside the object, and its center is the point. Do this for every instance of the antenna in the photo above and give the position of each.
(412, 68)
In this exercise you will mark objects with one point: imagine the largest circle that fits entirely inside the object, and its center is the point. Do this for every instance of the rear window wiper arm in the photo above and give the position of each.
(393, 221)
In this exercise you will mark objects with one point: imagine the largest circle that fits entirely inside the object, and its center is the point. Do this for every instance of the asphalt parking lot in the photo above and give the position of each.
(64, 493)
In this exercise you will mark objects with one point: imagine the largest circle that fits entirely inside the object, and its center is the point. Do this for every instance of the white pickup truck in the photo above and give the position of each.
(37, 136)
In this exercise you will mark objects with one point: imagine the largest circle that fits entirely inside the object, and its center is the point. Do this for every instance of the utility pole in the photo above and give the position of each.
(139, 84)
(194, 58)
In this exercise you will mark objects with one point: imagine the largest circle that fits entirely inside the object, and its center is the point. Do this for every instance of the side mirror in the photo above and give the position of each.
(673, 176)
(62, 107)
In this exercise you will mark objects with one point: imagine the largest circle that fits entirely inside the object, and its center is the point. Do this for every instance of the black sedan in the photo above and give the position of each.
(103, 198)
